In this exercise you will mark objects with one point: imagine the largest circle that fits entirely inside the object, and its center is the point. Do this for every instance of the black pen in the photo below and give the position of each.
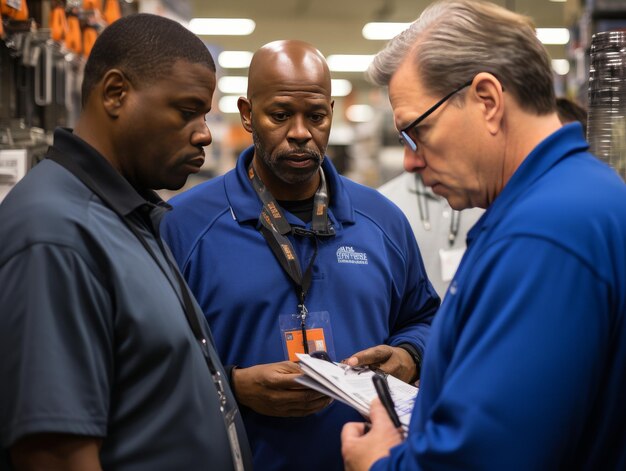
(382, 389)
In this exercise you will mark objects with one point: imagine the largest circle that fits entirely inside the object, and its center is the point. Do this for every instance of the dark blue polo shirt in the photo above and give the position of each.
(93, 336)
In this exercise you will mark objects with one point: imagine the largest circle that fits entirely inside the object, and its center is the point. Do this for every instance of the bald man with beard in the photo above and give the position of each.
(285, 255)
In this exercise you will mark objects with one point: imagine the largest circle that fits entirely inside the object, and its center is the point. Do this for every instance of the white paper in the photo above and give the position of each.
(355, 386)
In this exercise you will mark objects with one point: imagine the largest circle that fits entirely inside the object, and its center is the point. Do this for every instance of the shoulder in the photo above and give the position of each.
(202, 193)
(371, 204)
(192, 214)
(49, 205)
(200, 203)
(372, 209)
(572, 196)
(578, 205)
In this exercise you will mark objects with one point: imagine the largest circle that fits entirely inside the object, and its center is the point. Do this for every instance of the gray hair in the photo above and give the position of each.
(452, 41)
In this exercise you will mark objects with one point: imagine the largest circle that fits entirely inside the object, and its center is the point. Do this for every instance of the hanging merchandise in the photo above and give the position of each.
(92, 5)
(40, 86)
(606, 123)
(41, 72)
(90, 34)
(58, 22)
(112, 11)
(15, 9)
(73, 37)
(92, 22)
(27, 102)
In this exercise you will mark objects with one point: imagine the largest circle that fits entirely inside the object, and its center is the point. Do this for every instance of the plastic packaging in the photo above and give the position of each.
(606, 123)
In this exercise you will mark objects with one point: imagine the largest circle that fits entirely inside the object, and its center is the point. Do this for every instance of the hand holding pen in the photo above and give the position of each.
(382, 389)
(360, 447)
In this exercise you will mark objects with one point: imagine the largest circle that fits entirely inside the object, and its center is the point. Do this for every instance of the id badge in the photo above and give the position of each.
(450, 260)
(229, 412)
(234, 443)
(318, 334)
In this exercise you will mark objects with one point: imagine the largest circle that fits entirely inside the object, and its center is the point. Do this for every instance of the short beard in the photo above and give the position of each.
(272, 163)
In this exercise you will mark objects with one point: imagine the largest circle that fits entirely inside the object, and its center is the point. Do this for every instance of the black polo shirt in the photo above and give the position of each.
(93, 336)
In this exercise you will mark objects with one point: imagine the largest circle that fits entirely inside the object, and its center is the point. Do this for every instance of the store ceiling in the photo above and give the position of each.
(334, 26)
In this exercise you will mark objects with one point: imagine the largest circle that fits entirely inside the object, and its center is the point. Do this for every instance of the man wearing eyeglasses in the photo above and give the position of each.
(525, 364)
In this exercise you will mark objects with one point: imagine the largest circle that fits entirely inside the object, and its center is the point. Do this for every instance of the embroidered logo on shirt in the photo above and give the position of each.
(347, 254)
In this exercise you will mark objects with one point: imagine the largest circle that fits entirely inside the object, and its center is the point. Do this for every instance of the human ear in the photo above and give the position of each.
(245, 110)
(115, 87)
(488, 91)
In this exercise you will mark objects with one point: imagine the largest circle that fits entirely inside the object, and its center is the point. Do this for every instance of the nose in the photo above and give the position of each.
(201, 135)
(299, 131)
(413, 160)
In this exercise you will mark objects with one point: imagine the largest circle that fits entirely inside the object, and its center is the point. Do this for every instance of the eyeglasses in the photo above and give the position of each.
(404, 137)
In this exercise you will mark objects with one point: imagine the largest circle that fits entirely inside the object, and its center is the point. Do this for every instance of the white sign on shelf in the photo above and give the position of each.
(13, 166)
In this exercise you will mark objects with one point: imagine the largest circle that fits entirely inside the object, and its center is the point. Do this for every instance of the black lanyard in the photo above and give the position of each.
(188, 307)
(274, 227)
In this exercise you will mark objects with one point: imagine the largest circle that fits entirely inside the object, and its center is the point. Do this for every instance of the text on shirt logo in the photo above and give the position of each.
(347, 254)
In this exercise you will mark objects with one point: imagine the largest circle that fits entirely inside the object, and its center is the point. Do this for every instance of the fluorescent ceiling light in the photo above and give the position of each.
(234, 59)
(359, 113)
(228, 104)
(234, 85)
(349, 62)
(222, 26)
(340, 87)
(560, 66)
(553, 35)
(383, 30)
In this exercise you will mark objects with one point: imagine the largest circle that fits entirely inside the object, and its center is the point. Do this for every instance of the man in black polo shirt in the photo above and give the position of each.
(107, 361)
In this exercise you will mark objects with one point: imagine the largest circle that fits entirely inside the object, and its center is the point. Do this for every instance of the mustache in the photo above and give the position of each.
(308, 153)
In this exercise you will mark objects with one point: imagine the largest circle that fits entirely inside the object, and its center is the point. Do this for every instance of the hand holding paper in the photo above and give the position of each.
(354, 386)
(271, 389)
(393, 360)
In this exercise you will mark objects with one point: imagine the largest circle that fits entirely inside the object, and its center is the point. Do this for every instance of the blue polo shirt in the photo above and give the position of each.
(93, 337)
(526, 365)
(369, 278)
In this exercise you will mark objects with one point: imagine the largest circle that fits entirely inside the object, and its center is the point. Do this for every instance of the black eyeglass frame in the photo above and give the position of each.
(404, 137)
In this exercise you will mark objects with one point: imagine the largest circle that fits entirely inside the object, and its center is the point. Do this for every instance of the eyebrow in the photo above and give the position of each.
(191, 101)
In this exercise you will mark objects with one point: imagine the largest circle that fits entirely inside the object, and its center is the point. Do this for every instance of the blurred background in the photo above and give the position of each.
(45, 43)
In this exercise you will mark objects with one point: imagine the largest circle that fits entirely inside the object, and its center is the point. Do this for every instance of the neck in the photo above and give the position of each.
(85, 130)
(522, 139)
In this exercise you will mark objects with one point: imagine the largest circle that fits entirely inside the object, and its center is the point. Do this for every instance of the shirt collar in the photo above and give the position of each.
(246, 205)
(124, 198)
(566, 141)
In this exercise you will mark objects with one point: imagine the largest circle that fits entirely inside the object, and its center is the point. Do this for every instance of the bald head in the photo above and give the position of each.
(290, 64)
(289, 112)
